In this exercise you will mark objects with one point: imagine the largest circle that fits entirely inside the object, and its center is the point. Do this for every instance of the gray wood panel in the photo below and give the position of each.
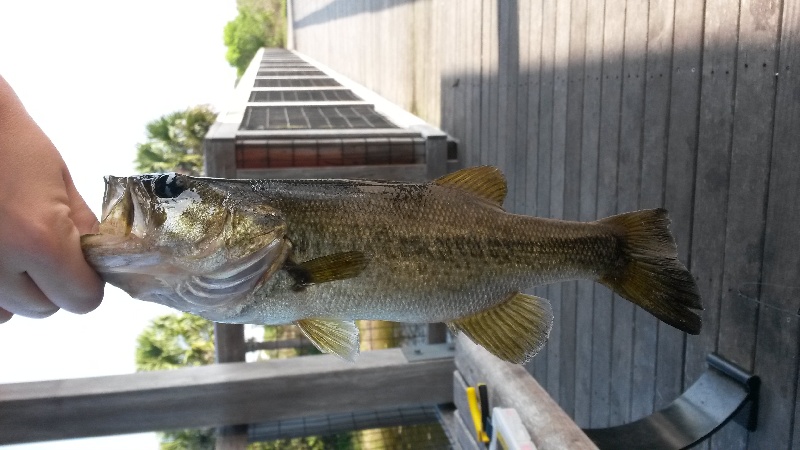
(645, 104)
(571, 192)
(628, 187)
(590, 141)
(654, 148)
(777, 351)
(611, 90)
(545, 374)
(560, 338)
(683, 136)
(751, 140)
(218, 394)
(712, 163)
(488, 68)
(519, 160)
(535, 33)
(509, 64)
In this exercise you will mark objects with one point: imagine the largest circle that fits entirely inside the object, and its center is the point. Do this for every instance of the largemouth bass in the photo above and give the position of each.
(323, 253)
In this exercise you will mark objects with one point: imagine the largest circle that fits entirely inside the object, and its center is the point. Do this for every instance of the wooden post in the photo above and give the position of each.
(230, 348)
(229, 341)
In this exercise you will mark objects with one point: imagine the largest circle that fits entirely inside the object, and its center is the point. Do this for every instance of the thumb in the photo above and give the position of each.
(80, 213)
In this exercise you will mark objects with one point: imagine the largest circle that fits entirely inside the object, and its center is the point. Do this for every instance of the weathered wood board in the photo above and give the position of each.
(617, 104)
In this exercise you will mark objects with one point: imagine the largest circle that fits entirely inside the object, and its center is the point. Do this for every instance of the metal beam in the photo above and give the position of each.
(222, 394)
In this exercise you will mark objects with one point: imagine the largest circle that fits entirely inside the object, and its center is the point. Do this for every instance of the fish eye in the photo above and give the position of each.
(168, 185)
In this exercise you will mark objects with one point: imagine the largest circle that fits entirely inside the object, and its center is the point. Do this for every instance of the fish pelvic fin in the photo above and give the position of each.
(648, 272)
(339, 337)
(485, 182)
(514, 330)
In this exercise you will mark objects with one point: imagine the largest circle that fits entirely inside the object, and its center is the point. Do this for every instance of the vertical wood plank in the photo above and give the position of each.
(501, 141)
(573, 73)
(491, 47)
(796, 427)
(500, 122)
(487, 70)
(749, 173)
(712, 165)
(474, 70)
(544, 170)
(683, 132)
(525, 67)
(777, 353)
(613, 39)
(456, 79)
(538, 367)
(654, 150)
(555, 377)
(507, 142)
(628, 187)
(442, 29)
(590, 140)
(684, 162)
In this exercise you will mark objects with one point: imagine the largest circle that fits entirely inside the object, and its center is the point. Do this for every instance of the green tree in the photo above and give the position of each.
(175, 142)
(259, 24)
(175, 340)
(170, 342)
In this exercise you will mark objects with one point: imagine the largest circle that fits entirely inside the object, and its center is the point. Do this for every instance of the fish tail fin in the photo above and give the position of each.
(649, 274)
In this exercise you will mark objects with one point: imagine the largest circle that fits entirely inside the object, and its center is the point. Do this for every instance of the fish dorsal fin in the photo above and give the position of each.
(333, 267)
(486, 182)
(514, 330)
(339, 337)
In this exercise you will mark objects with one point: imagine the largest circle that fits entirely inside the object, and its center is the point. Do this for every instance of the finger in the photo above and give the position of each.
(62, 273)
(5, 316)
(21, 296)
(80, 213)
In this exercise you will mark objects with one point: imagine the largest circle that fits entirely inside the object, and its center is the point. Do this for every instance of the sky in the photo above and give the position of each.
(92, 73)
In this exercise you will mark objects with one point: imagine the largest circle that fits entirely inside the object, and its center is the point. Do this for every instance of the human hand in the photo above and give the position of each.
(42, 217)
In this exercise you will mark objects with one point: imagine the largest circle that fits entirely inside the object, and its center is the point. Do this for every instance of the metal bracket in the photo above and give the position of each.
(723, 393)
(427, 352)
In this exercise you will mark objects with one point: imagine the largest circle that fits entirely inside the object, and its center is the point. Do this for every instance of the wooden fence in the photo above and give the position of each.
(594, 107)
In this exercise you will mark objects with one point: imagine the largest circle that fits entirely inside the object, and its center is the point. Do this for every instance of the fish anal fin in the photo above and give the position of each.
(514, 330)
(486, 182)
(337, 266)
(339, 337)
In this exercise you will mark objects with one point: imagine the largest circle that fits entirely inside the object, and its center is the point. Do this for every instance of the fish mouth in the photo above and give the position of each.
(118, 207)
(117, 247)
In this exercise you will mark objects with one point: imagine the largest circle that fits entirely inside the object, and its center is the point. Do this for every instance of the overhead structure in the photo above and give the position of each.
(294, 118)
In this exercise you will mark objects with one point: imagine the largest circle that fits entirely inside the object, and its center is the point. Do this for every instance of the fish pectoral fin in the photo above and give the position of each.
(514, 330)
(337, 266)
(339, 337)
(485, 182)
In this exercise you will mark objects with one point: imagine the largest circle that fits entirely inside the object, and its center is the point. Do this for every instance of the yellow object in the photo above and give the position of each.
(475, 411)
